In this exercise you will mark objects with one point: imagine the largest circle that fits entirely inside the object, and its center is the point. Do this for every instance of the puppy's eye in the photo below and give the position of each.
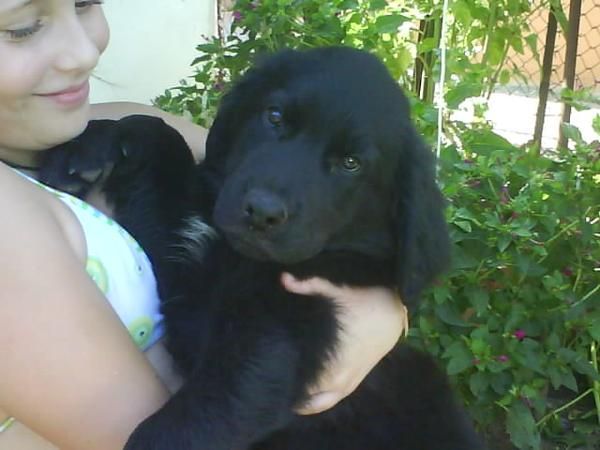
(274, 116)
(351, 163)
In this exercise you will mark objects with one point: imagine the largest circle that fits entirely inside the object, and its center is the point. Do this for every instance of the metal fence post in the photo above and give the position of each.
(570, 64)
(545, 81)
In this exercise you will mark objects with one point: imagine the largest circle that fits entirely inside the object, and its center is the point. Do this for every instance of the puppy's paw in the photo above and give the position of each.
(80, 164)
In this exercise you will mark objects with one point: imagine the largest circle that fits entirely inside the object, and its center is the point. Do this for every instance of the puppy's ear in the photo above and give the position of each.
(221, 134)
(423, 240)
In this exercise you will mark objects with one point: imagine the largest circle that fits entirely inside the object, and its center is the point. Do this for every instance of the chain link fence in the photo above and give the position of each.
(529, 107)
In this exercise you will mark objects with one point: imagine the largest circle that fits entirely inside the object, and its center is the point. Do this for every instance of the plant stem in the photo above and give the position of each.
(595, 384)
(563, 407)
(586, 296)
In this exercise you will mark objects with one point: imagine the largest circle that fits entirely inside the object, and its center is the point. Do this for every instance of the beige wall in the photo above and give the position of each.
(152, 45)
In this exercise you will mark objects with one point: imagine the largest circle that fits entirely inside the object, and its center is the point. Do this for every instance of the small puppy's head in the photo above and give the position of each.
(314, 151)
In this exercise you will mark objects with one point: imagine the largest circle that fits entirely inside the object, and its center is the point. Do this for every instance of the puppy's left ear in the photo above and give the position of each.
(423, 240)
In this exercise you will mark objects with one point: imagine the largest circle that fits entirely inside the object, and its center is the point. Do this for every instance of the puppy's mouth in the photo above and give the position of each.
(280, 249)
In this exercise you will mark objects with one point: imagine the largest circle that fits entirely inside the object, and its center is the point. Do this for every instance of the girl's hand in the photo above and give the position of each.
(372, 321)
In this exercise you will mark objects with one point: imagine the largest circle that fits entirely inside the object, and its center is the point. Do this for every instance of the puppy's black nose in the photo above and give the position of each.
(264, 210)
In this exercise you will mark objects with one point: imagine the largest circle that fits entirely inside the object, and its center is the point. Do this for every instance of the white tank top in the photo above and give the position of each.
(120, 268)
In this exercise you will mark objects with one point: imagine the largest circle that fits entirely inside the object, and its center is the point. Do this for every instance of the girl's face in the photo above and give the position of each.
(48, 49)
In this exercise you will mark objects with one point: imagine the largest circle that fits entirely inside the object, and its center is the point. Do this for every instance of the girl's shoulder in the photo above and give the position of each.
(34, 214)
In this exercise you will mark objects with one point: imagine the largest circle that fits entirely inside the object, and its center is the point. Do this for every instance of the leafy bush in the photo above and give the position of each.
(517, 319)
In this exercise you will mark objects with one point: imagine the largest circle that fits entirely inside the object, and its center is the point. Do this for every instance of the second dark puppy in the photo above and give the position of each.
(312, 167)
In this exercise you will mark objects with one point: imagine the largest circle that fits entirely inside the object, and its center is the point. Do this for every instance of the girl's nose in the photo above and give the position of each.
(78, 52)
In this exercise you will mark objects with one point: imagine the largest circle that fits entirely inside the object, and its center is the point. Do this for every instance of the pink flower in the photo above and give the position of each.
(476, 361)
(520, 334)
(237, 16)
(567, 271)
(502, 358)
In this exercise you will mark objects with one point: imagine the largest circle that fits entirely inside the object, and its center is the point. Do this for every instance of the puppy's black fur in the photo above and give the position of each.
(312, 167)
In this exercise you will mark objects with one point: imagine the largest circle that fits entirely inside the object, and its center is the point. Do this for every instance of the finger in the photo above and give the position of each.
(319, 403)
(310, 286)
(405, 322)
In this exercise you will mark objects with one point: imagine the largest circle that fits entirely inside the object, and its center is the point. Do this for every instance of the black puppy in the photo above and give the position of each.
(312, 167)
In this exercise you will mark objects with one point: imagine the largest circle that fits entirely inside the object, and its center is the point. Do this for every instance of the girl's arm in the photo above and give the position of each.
(68, 368)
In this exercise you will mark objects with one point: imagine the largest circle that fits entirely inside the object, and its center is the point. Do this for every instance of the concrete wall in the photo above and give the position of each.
(152, 45)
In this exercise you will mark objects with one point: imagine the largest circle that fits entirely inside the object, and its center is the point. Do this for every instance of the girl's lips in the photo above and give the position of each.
(74, 96)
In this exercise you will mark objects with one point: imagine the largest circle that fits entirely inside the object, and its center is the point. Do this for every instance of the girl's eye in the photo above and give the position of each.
(85, 5)
(351, 164)
(22, 34)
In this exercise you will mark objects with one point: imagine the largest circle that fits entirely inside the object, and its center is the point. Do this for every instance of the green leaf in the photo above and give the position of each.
(504, 241)
(375, 5)
(449, 315)
(521, 427)
(458, 365)
(462, 260)
(517, 43)
(501, 383)
(428, 44)
(349, 4)
(390, 23)
(462, 12)
(478, 383)
(200, 59)
(484, 142)
(596, 124)
(568, 379)
(560, 15)
(479, 347)
(441, 294)
(458, 94)
(532, 42)
(572, 132)
(594, 330)
(480, 299)
(208, 48)
(495, 50)
(425, 326)
(460, 357)
(463, 225)
(586, 368)
(504, 76)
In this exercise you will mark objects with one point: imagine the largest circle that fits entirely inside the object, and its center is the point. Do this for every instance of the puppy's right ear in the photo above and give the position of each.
(423, 239)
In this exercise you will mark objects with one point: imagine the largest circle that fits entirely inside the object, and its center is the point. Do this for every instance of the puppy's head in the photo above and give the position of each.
(314, 152)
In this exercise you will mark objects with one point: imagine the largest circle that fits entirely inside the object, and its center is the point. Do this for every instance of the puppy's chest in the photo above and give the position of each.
(253, 290)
